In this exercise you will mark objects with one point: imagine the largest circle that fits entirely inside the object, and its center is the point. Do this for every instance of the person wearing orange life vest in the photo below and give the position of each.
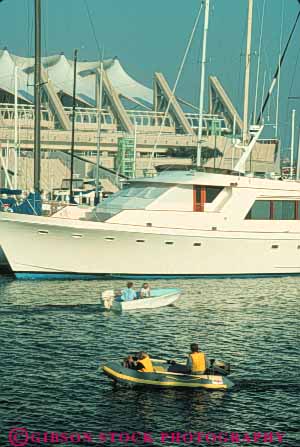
(196, 362)
(144, 363)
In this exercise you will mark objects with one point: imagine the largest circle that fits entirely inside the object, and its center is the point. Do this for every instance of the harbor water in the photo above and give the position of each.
(54, 338)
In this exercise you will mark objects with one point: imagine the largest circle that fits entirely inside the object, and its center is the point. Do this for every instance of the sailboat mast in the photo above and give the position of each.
(37, 98)
(247, 72)
(292, 144)
(71, 198)
(298, 160)
(203, 67)
(16, 122)
(99, 79)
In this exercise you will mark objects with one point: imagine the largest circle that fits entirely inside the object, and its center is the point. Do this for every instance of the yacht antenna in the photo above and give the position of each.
(37, 99)
(247, 72)
(71, 199)
(202, 85)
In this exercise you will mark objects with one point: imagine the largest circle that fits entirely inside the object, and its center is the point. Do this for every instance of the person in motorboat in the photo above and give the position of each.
(128, 294)
(145, 291)
(196, 362)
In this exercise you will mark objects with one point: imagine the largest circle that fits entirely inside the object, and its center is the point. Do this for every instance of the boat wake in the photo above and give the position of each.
(36, 309)
(266, 385)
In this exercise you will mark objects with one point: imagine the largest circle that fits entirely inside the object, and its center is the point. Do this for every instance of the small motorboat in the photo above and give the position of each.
(158, 298)
(170, 374)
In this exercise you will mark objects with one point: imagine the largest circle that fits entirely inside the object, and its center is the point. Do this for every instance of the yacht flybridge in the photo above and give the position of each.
(184, 224)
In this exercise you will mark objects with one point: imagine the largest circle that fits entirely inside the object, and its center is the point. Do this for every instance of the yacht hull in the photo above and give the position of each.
(4, 265)
(40, 247)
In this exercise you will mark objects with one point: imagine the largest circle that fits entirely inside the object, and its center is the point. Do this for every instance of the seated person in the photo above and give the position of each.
(145, 291)
(144, 363)
(129, 293)
(129, 362)
(196, 362)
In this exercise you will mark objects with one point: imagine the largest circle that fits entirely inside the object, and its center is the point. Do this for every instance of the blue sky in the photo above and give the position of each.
(150, 36)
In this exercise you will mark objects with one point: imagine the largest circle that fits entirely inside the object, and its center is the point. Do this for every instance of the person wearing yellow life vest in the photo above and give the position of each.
(144, 363)
(196, 362)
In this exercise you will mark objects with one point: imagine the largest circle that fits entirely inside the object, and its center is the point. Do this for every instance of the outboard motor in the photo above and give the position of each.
(107, 299)
(221, 367)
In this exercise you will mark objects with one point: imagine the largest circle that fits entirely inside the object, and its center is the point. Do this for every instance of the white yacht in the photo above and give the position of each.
(177, 224)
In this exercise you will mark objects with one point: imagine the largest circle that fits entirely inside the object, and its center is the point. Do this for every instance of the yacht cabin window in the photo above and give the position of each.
(284, 210)
(274, 210)
(134, 197)
(204, 194)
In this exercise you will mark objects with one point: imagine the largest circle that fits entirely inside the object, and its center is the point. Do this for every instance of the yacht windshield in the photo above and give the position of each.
(135, 197)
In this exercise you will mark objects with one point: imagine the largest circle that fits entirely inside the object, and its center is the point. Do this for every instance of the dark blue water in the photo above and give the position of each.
(54, 338)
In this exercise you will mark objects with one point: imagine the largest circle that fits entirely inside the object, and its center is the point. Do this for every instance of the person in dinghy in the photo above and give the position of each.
(196, 362)
(141, 362)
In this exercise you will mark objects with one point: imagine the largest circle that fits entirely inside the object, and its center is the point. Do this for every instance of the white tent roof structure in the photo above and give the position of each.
(60, 70)
(7, 78)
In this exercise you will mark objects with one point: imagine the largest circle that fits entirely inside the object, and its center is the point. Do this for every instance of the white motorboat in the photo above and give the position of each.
(158, 298)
